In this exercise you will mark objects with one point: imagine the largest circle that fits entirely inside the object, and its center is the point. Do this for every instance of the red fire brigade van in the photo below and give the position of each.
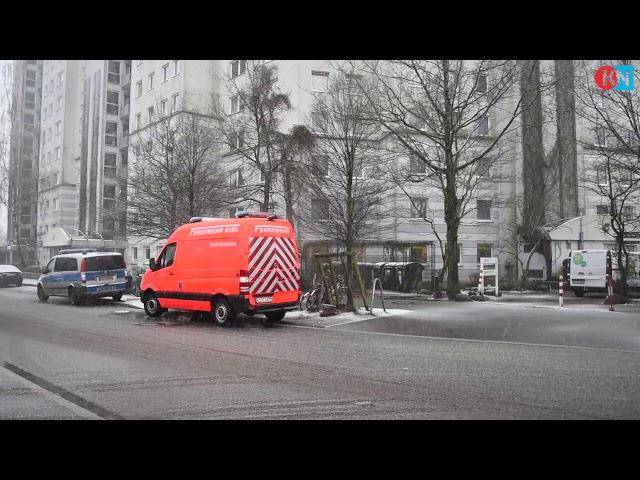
(248, 264)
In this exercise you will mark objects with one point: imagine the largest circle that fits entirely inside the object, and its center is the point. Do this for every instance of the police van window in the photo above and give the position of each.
(169, 255)
(51, 264)
(66, 264)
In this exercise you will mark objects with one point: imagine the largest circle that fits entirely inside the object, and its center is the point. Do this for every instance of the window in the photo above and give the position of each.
(319, 165)
(483, 167)
(320, 208)
(317, 120)
(150, 81)
(113, 99)
(175, 102)
(59, 103)
(416, 165)
(150, 113)
(138, 88)
(459, 254)
(169, 255)
(274, 177)
(54, 204)
(236, 104)
(165, 72)
(57, 156)
(628, 212)
(236, 141)
(135, 253)
(483, 250)
(176, 67)
(419, 207)
(113, 72)
(60, 74)
(30, 100)
(235, 178)
(66, 264)
(29, 119)
(111, 134)
(56, 178)
(138, 64)
(110, 165)
(602, 209)
(483, 209)
(58, 128)
(482, 83)
(319, 81)
(138, 121)
(147, 252)
(602, 174)
(163, 107)
(482, 127)
(601, 136)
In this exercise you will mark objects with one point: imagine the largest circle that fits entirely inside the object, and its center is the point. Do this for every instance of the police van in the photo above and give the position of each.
(84, 273)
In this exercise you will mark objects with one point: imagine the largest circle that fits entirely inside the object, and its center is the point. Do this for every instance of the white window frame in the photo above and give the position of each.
(59, 127)
(163, 107)
(165, 72)
(150, 81)
(138, 88)
(413, 209)
(478, 133)
(175, 102)
(138, 118)
(150, 113)
(320, 73)
(176, 68)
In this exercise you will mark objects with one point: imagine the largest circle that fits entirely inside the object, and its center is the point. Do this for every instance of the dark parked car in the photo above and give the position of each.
(10, 275)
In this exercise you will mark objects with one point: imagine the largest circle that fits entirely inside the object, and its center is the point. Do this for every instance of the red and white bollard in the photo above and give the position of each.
(480, 284)
(560, 292)
(610, 292)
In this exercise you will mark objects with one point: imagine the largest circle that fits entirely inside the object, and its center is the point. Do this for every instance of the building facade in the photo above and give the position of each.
(24, 159)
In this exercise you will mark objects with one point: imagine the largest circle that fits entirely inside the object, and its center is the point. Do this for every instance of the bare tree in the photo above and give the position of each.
(612, 124)
(345, 177)
(250, 129)
(6, 78)
(174, 175)
(439, 112)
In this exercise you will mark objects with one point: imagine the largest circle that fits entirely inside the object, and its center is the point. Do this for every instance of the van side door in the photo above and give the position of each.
(65, 273)
(165, 276)
(47, 277)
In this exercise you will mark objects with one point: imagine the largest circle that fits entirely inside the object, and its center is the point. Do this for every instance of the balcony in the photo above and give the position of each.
(125, 79)
(124, 110)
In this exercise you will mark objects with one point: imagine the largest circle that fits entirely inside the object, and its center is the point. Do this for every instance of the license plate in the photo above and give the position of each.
(106, 279)
(107, 288)
(264, 299)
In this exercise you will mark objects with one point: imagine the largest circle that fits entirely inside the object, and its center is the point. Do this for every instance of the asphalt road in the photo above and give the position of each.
(444, 361)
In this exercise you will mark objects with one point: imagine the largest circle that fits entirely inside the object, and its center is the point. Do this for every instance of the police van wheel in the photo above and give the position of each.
(76, 299)
(117, 298)
(41, 295)
(152, 306)
(221, 312)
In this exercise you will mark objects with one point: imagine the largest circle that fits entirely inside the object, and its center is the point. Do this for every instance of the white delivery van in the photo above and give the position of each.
(588, 270)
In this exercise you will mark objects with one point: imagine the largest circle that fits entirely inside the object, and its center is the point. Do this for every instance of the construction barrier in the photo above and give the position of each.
(560, 293)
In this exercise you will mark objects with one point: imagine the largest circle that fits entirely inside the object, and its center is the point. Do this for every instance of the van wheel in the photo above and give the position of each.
(117, 298)
(578, 292)
(221, 312)
(275, 316)
(41, 295)
(152, 306)
(76, 299)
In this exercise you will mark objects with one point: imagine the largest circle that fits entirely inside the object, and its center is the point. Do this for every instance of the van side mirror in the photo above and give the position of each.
(44, 270)
(152, 264)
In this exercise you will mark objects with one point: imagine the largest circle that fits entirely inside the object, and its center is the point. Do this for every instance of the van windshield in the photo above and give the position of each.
(106, 262)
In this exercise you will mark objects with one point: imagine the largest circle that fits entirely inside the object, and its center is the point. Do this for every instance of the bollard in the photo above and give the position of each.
(560, 293)
(480, 284)
(610, 292)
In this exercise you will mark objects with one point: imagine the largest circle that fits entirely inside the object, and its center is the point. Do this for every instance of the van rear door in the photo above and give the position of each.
(274, 265)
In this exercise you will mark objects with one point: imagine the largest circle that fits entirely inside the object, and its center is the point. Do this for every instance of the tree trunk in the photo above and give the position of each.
(622, 266)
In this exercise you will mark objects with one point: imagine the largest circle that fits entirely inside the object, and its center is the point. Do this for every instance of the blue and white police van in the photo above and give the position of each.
(83, 273)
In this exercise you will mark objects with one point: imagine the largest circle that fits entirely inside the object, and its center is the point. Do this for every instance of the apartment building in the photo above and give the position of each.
(23, 159)
(83, 155)
(160, 88)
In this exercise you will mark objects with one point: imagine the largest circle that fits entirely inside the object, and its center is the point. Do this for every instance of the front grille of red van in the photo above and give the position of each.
(273, 265)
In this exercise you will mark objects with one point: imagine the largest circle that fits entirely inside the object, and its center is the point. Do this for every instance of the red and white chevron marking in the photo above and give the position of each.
(273, 265)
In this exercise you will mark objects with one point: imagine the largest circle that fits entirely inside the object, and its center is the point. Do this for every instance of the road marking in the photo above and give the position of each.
(73, 402)
(472, 340)
(566, 308)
